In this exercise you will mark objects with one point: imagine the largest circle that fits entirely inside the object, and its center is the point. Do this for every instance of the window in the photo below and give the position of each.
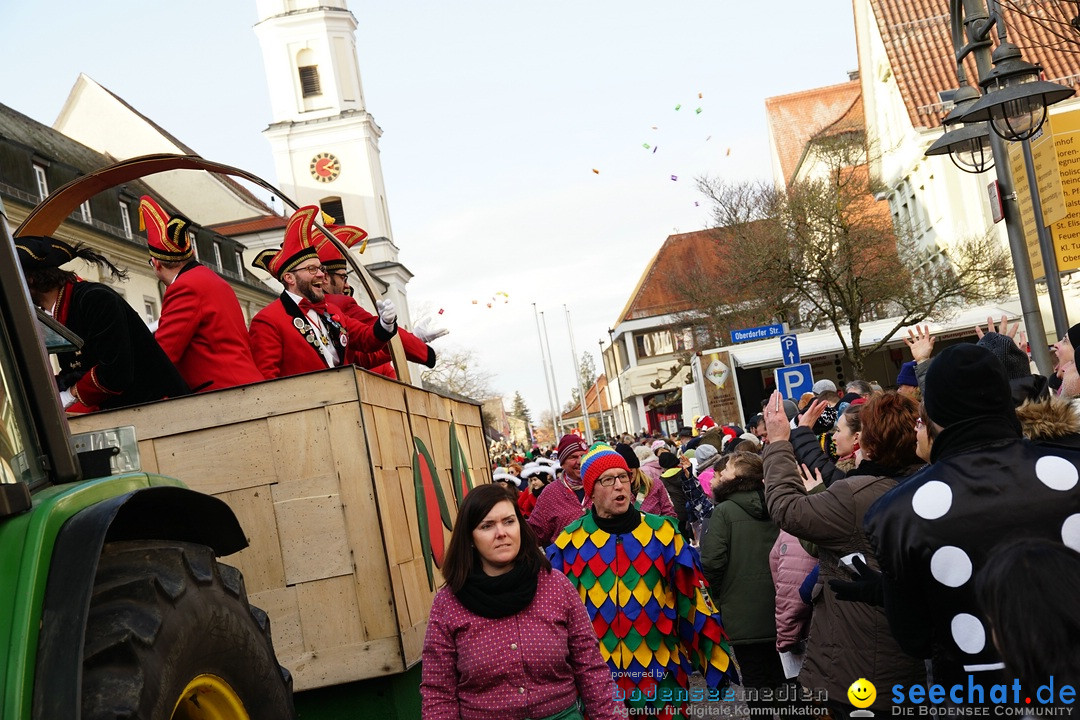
(20, 456)
(240, 263)
(150, 311)
(309, 81)
(217, 255)
(332, 207)
(42, 181)
(663, 342)
(84, 213)
(125, 218)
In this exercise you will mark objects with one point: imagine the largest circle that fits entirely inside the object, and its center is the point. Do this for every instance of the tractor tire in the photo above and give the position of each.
(170, 636)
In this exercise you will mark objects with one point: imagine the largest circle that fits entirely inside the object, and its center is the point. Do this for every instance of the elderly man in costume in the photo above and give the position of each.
(644, 590)
(202, 328)
(565, 500)
(299, 332)
(339, 294)
(119, 363)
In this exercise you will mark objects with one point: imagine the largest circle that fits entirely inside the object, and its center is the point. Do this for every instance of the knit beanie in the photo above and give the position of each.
(628, 454)
(907, 374)
(600, 457)
(966, 381)
(1014, 359)
(668, 460)
(570, 444)
(1074, 335)
(706, 456)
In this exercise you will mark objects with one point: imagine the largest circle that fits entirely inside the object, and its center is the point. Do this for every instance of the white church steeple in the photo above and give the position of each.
(324, 142)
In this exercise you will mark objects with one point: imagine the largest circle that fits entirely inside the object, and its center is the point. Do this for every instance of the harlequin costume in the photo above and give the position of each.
(416, 350)
(284, 340)
(644, 591)
(202, 328)
(119, 363)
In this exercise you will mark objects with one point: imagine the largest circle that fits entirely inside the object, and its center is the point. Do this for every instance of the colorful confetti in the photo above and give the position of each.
(440, 311)
(696, 204)
(697, 111)
(597, 172)
(708, 138)
(728, 153)
(655, 149)
(678, 106)
(674, 178)
(645, 145)
(700, 96)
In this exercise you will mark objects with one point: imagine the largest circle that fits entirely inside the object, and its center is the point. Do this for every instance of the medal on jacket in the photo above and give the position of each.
(343, 340)
(299, 324)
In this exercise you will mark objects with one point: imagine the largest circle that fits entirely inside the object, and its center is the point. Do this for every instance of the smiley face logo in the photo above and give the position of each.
(862, 693)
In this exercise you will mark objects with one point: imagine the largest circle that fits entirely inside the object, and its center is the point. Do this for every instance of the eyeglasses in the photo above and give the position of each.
(341, 275)
(313, 269)
(611, 480)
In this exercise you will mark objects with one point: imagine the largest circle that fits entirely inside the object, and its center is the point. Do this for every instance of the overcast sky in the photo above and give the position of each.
(495, 116)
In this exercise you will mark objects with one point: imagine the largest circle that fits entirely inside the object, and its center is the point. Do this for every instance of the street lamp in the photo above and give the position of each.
(1016, 98)
(967, 144)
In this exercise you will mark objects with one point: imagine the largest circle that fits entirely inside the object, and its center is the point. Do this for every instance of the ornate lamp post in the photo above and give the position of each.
(1014, 105)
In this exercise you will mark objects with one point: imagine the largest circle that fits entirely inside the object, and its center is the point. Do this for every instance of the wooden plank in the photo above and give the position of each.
(362, 523)
(313, 539)
(300, 446)
(260, 562)
(417, 595)
(281, 605)
(467, 414)
(218, 459)
(412, 526)
(393, 515)
(225, 407)
(417, 402)
(329, 614)
(380, 391)
(394, 438)
(397, 582)
(339, 665)
(373, 448)
(148, 456)
(412, 643)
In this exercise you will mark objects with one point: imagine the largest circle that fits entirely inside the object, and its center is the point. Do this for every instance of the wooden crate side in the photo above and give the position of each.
(281, 605)
(260, 561)
(218, 459)
(348, 663)
(148, 457)
(412, 643)
(394, 515)
(362, 522)
(392, 435)
(329, 613)
(381, 391)
(301, 446)
(314, 544)
(406, 487)
(226, 407)
(466, 414)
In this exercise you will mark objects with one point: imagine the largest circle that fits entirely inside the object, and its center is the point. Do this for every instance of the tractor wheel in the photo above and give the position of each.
(170, 636)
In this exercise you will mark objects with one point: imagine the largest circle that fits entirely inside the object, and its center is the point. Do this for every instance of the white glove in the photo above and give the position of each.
(428, 334)
(66, 399)
(387, 314)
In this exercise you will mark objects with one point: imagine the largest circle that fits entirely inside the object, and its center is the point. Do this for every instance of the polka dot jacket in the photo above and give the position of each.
(529, 665)
(935, 532)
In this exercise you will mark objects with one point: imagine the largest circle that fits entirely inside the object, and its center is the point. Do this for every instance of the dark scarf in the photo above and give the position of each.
(619, 524)
(500, 596)
(974, 432)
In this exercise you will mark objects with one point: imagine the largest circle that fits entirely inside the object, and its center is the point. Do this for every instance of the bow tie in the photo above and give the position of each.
(319, 307)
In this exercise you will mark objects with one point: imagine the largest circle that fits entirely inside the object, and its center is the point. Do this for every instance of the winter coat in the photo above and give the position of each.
(653, 470)
(847, 639)
(657, 501)
(790, 565)
(1054, 420)
(986, 487)
(735, 558)
(808, 452)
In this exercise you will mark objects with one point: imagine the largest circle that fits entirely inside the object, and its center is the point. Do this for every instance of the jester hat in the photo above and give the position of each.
(297, 248)
(167, 237)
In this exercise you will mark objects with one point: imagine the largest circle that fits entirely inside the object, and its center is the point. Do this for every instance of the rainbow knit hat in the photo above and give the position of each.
(599, 458)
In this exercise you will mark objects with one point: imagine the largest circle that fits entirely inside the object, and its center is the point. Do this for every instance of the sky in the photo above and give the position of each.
(496, 118)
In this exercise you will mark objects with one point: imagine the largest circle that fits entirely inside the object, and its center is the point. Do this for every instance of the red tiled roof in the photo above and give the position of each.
(657, 292)
(797, 118)
(918, 40)
(251, 225)
(591, 403)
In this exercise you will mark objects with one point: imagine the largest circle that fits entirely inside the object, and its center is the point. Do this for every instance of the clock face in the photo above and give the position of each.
(325, 167)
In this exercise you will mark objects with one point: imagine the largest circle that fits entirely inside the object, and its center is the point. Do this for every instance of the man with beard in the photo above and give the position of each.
(339, 294)
(202, 328)
(564, 501)
(299, 332)
(119, 363)
(643, 588)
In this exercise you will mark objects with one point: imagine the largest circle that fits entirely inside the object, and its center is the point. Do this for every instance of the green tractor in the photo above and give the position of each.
(114, 604)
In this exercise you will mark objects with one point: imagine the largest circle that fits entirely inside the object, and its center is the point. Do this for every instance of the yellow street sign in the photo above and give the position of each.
(1066, 231)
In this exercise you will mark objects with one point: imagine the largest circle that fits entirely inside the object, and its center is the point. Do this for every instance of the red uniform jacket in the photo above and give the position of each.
(416, 350)
(203, 332)
(280, 349)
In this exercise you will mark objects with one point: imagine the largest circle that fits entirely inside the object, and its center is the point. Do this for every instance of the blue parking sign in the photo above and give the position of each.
(789, 350)
(794, 380)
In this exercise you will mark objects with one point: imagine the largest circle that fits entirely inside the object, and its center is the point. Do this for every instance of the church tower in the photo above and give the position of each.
(324, 141)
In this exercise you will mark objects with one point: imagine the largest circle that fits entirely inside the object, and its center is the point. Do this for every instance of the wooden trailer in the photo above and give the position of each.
(319, 469)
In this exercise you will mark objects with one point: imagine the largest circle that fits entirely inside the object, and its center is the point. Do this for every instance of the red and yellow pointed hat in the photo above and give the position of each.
(297, 247)
(349, 235)
(167, 237)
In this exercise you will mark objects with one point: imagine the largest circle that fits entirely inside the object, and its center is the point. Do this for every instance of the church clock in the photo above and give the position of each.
(325, 167)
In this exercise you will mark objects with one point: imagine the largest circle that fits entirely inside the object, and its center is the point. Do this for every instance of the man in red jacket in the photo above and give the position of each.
(202, 328)
(338, 293)
(299, 332)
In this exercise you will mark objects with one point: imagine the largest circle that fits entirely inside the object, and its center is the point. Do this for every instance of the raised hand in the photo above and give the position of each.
(921, 342)
(387, 313)
(810, 416)
(427, 334)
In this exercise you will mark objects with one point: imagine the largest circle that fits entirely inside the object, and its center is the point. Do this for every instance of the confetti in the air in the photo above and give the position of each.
(696, 204)
(708, 138)
(700, 96)
(597, 172)
(674, 178)
(728, 153)
(678, 106)
(697, 111)
(655, 149)
(441, 311)
(645, 145)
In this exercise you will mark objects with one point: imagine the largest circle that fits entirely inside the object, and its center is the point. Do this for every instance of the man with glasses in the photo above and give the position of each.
(644, 590)
(299, 332)
(339, 294)
(202, 328)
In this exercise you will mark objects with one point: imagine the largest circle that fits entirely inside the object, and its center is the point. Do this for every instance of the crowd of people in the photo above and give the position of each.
(201, 341)
(920, 540)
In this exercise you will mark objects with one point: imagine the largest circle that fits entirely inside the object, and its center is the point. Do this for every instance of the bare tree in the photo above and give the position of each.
(1058, 19)
(458, 372)
(822, 253)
